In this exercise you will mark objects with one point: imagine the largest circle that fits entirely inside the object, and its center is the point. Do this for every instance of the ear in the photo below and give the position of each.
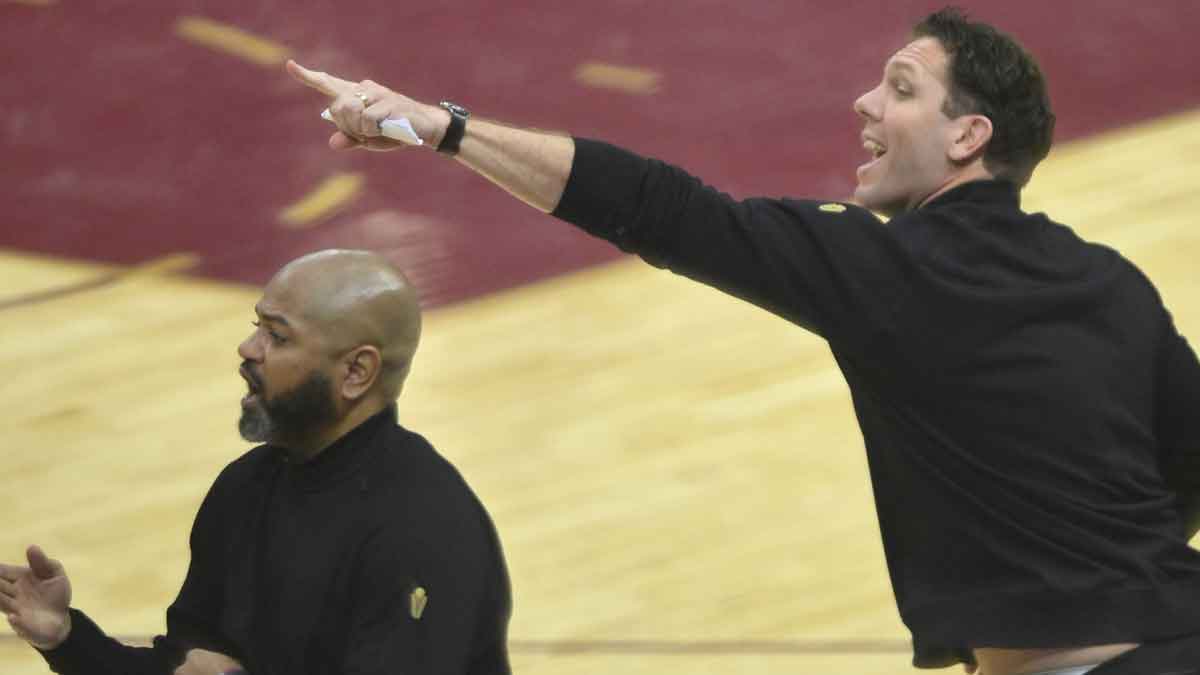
(361, 368)
(972, 133)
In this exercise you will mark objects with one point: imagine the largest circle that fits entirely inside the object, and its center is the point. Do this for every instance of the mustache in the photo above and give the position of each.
(249, 371)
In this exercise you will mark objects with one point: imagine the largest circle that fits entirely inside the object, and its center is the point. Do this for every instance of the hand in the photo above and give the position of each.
(36, 599)
(204, 662)
(358, 121)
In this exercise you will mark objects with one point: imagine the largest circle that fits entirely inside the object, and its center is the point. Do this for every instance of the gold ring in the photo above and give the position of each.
(363, 97)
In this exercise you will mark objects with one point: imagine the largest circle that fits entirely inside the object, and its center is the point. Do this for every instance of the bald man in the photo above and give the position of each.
(344, 544)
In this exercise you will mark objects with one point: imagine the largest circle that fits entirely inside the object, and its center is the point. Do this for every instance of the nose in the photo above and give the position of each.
(250, 349)
(867, 105)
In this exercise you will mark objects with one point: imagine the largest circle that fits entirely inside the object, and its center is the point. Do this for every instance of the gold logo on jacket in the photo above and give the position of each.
(833, 208)
(417, 601)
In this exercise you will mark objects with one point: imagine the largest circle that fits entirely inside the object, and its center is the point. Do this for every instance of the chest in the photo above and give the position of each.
(289, 566)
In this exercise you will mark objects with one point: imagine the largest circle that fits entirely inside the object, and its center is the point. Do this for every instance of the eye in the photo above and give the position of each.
(275, 337)
(902, 89)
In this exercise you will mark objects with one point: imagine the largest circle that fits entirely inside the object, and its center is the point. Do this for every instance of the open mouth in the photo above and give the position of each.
(251, 384)
(874, 147)
(877, 150)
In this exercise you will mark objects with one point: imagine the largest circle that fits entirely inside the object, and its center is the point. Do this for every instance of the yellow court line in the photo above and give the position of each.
(230, 40)
(332, 193)
(621, 78)
(168, 264)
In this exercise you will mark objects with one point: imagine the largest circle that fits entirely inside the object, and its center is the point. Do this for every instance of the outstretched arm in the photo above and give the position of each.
(533, 166)
(829, 267)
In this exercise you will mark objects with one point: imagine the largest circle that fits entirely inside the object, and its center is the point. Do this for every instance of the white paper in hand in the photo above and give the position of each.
(399, 129)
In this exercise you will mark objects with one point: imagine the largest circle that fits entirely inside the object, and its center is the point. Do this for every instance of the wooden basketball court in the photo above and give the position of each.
(677, 477)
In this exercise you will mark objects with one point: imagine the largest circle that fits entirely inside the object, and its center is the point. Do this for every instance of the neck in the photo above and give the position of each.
(970, 173)
(314, 443)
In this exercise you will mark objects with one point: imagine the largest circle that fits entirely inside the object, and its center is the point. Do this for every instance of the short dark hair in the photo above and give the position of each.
(990, 74)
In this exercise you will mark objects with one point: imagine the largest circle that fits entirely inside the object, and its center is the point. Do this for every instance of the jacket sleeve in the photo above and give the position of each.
(191, 621)
(827, 266)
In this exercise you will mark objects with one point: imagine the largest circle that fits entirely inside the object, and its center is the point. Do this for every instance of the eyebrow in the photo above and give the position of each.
(274, 318)
(896, 65)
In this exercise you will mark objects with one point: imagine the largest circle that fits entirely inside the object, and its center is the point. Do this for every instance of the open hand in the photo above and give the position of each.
(36, 599)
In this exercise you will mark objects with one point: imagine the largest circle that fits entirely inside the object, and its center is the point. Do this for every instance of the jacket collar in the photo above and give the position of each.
(994, 192)
(343, 458)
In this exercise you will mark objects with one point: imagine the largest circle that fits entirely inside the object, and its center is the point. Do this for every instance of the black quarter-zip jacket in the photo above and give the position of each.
(373, 558)
(1029, 411)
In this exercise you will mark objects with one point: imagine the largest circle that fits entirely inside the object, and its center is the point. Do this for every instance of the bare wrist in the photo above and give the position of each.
(60, 637)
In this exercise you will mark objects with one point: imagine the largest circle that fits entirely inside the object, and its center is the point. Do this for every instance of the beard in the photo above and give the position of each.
(293, 414)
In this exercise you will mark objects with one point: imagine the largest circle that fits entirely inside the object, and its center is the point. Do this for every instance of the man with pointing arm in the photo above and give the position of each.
(1027, 405)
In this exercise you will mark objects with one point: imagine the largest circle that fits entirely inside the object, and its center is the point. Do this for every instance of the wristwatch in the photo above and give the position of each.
(454, 132)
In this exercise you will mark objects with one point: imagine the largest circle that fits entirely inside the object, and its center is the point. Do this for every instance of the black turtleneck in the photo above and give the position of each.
(313, 568)
(1027, 406)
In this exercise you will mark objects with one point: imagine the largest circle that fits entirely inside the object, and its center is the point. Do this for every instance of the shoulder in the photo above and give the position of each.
(401, 448)
(406, 462)
(819, 212)
(1099, 256)
(246, 468)
(418, 494)
(249, 462)
(226, 497)
(839, 232)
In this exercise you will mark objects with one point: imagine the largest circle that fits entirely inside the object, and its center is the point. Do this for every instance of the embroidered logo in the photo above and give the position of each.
(832, 208)
(417, 601)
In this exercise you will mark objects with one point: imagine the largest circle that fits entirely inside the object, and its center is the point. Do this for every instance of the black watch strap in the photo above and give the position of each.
(454, 132)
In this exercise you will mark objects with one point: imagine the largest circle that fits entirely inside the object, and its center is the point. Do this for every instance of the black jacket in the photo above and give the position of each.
(1028, 408)
(320, 568)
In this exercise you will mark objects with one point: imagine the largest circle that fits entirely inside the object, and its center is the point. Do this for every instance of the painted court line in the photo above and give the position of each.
(230, 40)
(331, 194)
(620, 78)
(168, 264)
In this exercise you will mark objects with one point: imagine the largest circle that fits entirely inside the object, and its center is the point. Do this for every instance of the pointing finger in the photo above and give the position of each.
(308, 77)
(322, 82)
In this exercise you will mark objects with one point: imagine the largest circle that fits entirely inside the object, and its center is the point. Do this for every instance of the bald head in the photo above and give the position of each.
(353, 299)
